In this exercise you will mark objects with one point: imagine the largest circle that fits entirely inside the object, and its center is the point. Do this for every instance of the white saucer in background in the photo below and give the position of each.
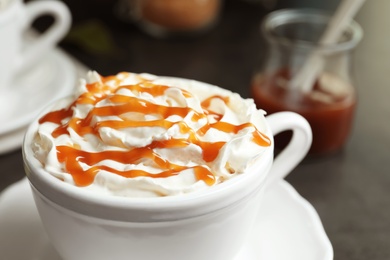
(52, 78)
(288, 228)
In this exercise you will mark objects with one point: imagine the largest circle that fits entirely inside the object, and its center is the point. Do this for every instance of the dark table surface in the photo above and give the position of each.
(351, 189)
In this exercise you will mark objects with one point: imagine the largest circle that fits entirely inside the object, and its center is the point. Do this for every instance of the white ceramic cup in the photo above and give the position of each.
(208, 225)
(16, 54)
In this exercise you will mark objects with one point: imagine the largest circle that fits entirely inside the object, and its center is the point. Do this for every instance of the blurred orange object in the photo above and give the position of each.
(160, 17)
(179, 14)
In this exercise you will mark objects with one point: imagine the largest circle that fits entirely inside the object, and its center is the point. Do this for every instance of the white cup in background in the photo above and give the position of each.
(16, 17)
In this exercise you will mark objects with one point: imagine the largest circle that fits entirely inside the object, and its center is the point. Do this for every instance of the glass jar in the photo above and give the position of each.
(329, 102)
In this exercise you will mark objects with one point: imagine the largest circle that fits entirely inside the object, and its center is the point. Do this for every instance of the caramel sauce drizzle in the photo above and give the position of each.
(72, 157)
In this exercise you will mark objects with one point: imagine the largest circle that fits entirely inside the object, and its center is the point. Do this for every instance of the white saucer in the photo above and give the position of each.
(52, 78)
(288, 228)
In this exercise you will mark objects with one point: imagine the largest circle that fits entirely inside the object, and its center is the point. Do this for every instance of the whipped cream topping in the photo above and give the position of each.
(139, 135)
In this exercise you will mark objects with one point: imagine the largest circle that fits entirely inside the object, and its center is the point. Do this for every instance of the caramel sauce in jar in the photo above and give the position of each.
(330, 116)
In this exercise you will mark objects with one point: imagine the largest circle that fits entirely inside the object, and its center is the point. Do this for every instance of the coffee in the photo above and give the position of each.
(206, 145)
(138, 135)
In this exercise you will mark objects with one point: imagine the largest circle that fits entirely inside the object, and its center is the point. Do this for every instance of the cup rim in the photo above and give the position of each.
(159, 209)
(279, 17)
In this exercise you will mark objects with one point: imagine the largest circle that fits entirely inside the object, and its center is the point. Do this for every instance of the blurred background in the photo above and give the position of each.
(105, 37)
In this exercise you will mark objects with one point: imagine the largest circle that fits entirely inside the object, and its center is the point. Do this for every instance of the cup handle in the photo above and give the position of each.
(34, 49)
(298, 147)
